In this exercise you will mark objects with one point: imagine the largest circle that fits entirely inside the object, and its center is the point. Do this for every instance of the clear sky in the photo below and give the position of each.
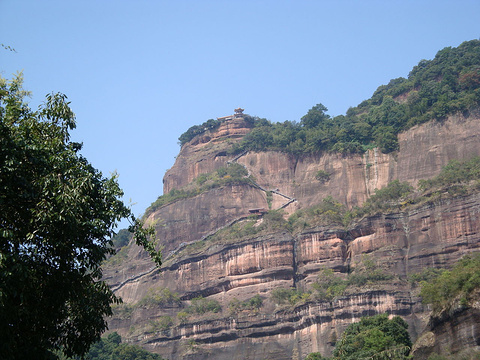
(139, 73)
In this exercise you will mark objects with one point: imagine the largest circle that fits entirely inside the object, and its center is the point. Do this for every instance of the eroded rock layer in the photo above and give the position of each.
(199, 262)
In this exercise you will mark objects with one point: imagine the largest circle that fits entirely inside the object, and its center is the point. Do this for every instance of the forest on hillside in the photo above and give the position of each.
(434, 89)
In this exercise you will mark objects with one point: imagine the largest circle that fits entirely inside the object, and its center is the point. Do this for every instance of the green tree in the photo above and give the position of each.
(449, 285)
(315, 356)
(386, 139)
(111, 348)
(122, 238)
(57, 215)
(133, 352)
(315, 116)
(375, 337)
(201, 305)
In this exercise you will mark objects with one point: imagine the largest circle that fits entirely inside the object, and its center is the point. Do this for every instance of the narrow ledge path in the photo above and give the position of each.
(214, 231)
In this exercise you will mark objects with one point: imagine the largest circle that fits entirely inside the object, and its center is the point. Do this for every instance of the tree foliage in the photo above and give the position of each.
(252, 304)
(434, 89)
(457, 283)
(330, 285)
(112, 348)
(455, 172)
(121, 238)
(210, 124)
(387, 198)
(375, 337)
(315, 356)
(195, 130)
(57, 215)
(160, 296)
(201, 305)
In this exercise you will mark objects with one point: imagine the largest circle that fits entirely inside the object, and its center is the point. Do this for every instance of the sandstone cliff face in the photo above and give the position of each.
(204, 154)
(453, 331)
(401, 244)
(397, 242)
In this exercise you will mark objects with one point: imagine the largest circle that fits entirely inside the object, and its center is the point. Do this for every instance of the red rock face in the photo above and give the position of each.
(204, 154)
(401, 244)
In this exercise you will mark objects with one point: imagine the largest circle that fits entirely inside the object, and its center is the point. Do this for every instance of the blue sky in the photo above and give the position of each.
(140, 73)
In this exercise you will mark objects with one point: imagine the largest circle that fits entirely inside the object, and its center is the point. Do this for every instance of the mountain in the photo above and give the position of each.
(276, 237)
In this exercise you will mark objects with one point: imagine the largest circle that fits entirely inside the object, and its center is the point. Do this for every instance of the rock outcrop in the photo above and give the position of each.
(453, 331)
(198, 261)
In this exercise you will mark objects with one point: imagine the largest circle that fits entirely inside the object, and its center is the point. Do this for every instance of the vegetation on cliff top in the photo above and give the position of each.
(210, 124)
(434, 89)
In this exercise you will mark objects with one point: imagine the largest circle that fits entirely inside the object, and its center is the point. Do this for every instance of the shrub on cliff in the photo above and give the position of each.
(201, 305)
(252, 304)
(328, 212)
(290, 296)
(233, 174)
(455, 172)
(111, 347)
(161, 324)
(330, 285)
(387, 198)
(458, 283)
(159, 297)
(375, 337)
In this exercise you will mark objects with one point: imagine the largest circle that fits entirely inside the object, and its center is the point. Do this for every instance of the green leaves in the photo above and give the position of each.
(448, 84)
(145, 236)
(451, 285)
(57, 215)
(374, 337)
(111, 348)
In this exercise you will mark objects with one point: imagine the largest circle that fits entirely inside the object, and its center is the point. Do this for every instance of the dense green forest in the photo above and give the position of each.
(110, 347)
(434, 89)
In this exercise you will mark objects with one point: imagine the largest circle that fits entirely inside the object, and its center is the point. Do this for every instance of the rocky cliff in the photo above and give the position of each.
(205, 255)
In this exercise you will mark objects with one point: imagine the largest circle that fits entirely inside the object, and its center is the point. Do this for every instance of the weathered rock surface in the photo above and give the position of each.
(401, 243)
(204, 154)
(453, 331)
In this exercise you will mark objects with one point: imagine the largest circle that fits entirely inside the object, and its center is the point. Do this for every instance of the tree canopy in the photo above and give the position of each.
(373, 336)
(458, 283)
(434, 89)
(57, 216)
(112, 348)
